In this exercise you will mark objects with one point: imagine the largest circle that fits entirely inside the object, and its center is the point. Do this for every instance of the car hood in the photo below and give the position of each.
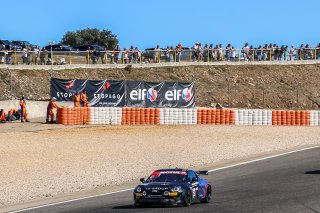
(161, 185)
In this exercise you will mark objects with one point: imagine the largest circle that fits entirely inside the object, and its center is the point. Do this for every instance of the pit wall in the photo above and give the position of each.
(172, 116)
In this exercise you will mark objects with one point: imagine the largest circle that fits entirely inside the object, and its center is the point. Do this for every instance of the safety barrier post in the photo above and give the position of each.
(159, 54)
(190, 55)
(208, 53)
(315, 54)
(88, 58)
(239, 55)
(69, 57)
(175, 56)
(253, 55)
(122, 58)
(106, 58)
(140, 57)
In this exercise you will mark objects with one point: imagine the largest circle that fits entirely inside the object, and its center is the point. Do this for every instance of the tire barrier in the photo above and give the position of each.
(105, 115)
(73, 116)
(216, 116)
(290, 118)
(140, 116)
(253, 117)
(314, 118)
(174, 116)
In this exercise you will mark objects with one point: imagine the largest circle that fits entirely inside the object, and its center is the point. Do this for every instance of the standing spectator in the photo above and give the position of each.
(276, 53)
(124, 57)
(104, 56)
(200, 52)
(179, 50)
(194, 52)
(228, 52)
(9, 56)
(259, 53)
(318, 52)
(220, 53)
(206, 53)
(251, 53)
(138, 55)
(167, 54)
(36, 54)
(285, 50)
(171, 54)
(291, 53)
(211, 53)
(245, 51)
(301, 52)
(130, 54)
(135, 55)
(95, 54)
(157, 54)
(233, 53)
(29, 57)
(43, 56)
(24, 55)
(116, 54)
(308, 53)
(88, 55)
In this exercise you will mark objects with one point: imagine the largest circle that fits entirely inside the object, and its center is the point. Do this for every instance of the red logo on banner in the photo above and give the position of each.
(71, 84)
(106, 86)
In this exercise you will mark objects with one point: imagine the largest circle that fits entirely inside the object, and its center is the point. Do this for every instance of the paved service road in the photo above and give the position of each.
(288, 183)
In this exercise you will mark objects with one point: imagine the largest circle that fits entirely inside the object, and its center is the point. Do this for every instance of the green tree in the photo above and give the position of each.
(90, 36)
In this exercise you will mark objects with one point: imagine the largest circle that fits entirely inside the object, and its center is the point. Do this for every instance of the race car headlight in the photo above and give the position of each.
(177, 188)
(138, 189)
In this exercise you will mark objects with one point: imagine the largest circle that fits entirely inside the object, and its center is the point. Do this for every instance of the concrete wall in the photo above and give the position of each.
(35, 108)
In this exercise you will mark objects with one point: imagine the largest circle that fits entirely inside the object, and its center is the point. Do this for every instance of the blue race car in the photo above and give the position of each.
(173, 187)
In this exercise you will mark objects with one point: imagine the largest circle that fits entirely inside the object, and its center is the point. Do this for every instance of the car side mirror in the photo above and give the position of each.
(142, 180)
(193, 179)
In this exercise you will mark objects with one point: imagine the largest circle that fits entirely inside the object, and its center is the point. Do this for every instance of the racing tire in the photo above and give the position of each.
(187, 198)
(136, 205)
(208, 195)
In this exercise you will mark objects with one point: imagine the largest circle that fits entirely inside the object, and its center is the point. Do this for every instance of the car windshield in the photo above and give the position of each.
(167, 176)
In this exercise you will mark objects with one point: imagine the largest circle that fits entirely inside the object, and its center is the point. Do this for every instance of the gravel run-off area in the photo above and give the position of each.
(44, 163)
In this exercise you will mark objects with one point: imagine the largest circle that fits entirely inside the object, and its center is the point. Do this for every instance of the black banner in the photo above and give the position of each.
(104, 93)
(112, 93)
(163, 94)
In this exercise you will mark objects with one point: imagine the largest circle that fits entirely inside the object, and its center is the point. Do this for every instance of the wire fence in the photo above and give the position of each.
(155, 56)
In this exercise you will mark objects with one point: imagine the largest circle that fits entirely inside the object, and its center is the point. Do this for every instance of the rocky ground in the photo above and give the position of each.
(39, 160)
(250, 86)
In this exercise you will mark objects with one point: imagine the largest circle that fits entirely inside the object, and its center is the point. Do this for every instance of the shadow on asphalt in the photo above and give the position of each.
(314, 172)
(143, 207)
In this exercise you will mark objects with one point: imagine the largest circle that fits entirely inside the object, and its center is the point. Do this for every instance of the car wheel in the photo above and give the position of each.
(208, 195)
(136, 204)
(187, 198)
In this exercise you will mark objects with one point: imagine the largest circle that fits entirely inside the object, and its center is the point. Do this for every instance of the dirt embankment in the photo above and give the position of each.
(243, 86)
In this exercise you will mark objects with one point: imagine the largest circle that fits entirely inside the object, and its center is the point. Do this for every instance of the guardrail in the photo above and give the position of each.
(155, 56)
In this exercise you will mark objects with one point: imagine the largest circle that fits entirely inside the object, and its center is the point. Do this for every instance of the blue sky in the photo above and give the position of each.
(146, 23)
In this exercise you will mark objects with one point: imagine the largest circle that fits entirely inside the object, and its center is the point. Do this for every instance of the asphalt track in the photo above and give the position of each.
(288, 183)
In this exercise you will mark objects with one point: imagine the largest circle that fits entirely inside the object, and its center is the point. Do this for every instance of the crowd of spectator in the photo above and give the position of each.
(198, 52)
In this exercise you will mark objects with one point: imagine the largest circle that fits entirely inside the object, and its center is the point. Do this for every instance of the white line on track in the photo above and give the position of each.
(124, 190)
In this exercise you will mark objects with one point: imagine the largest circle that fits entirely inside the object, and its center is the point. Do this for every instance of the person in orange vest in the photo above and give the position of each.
(52, 104)
(76, 99)
(2, 116)
(84, 99)
(24, 112)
